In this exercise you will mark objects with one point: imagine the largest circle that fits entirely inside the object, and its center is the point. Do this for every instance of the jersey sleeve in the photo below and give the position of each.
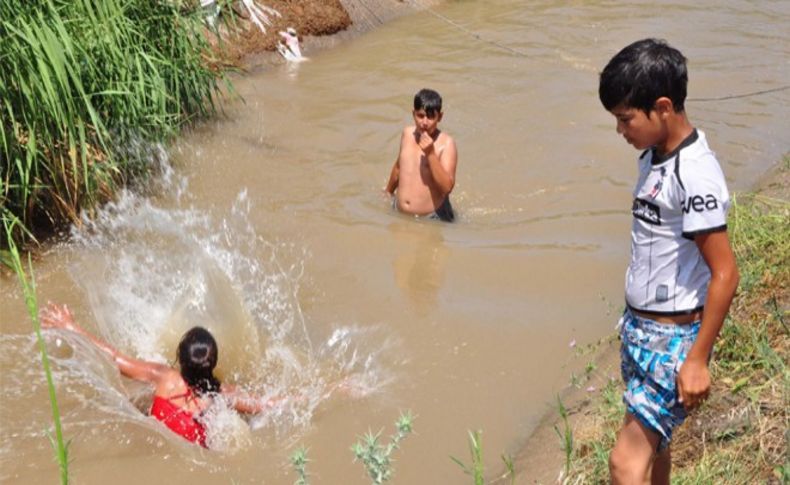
(705, 199)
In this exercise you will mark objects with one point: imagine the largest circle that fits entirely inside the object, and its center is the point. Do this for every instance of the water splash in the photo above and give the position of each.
(150, 272)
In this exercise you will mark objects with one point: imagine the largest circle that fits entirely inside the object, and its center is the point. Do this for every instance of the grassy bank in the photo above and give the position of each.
(86, 86)
(739, 436)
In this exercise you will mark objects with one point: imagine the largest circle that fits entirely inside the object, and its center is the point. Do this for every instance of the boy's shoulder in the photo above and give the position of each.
(698, 157)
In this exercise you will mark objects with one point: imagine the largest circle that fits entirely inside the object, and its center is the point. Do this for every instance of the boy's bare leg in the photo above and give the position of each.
(662, 466)
(632, 455)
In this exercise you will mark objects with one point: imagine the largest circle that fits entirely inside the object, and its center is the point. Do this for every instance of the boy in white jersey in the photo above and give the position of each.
(682, 274)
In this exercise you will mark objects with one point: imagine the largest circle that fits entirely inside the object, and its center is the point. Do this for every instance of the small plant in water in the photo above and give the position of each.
(509, 467)
(377, 457)
(299, 461)
(476, 469)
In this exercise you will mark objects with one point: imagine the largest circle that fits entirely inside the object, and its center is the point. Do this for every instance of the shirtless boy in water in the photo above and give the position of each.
(424, 173)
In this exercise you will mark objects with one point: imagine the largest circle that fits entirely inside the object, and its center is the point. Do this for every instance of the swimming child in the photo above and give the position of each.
(180, 396)
(424, 172)
(682, 275)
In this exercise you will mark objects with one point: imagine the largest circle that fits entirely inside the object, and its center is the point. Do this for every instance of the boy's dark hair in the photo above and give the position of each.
(643, 72)
(429, 100)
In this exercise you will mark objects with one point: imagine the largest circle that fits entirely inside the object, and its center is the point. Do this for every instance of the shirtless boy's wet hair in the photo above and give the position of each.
(639, 75)
(428, 100)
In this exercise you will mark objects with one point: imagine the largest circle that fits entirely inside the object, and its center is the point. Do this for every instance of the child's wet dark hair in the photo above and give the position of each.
(643, 72)
(197, 356)
(429, 100)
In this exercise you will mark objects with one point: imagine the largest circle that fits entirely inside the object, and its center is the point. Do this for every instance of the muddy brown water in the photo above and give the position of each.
(270, 229)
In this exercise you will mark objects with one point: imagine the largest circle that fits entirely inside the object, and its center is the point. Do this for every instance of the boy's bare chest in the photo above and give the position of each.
(412, 158)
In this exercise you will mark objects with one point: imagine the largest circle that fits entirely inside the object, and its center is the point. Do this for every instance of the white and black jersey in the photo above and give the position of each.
(678, 196)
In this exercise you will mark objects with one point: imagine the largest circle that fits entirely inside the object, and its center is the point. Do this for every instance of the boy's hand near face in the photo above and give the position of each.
(424, 140)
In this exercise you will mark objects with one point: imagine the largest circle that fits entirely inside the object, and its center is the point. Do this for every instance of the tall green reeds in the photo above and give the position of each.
(81, 81)
(29, 289)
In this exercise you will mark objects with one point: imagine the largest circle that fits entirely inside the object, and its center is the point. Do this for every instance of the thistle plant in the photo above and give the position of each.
(299, 461)
(376, 456)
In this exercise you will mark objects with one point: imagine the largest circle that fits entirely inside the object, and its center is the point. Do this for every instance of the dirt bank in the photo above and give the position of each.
(320, 24)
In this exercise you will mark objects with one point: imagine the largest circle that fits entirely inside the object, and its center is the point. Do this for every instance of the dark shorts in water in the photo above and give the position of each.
(444, 212)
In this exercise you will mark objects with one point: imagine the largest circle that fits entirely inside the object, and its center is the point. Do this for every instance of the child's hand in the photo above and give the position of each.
(693, 383)
(425, 141)
(57, 316)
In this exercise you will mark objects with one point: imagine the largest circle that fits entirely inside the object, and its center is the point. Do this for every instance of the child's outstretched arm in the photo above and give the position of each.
(59, 316)
(694, 377)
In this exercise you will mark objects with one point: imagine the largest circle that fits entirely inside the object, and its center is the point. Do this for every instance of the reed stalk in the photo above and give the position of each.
(29, 289)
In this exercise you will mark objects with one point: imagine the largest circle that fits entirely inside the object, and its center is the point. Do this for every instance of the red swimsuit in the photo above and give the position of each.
(178, 420)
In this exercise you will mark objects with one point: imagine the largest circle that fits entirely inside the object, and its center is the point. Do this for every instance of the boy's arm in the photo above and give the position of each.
(442, 168)
(392, 183)
(694, 378)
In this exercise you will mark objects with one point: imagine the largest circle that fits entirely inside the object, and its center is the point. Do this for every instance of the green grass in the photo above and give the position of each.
(565, 435)
(81, 83)
(476, 469)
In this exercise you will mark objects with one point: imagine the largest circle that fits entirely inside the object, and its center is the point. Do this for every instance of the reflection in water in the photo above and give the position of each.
(419, 262)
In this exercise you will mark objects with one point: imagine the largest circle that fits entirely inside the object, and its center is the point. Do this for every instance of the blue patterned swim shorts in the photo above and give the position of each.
(651, 354)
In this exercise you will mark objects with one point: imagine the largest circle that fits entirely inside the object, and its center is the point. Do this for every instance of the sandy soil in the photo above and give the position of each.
(320, 24)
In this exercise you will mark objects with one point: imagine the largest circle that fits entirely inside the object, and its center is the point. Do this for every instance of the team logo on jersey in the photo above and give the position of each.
(660, 183)
(699, 203)
(646, 211)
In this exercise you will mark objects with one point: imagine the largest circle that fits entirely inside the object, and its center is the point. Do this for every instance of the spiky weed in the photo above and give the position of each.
(377, 457)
